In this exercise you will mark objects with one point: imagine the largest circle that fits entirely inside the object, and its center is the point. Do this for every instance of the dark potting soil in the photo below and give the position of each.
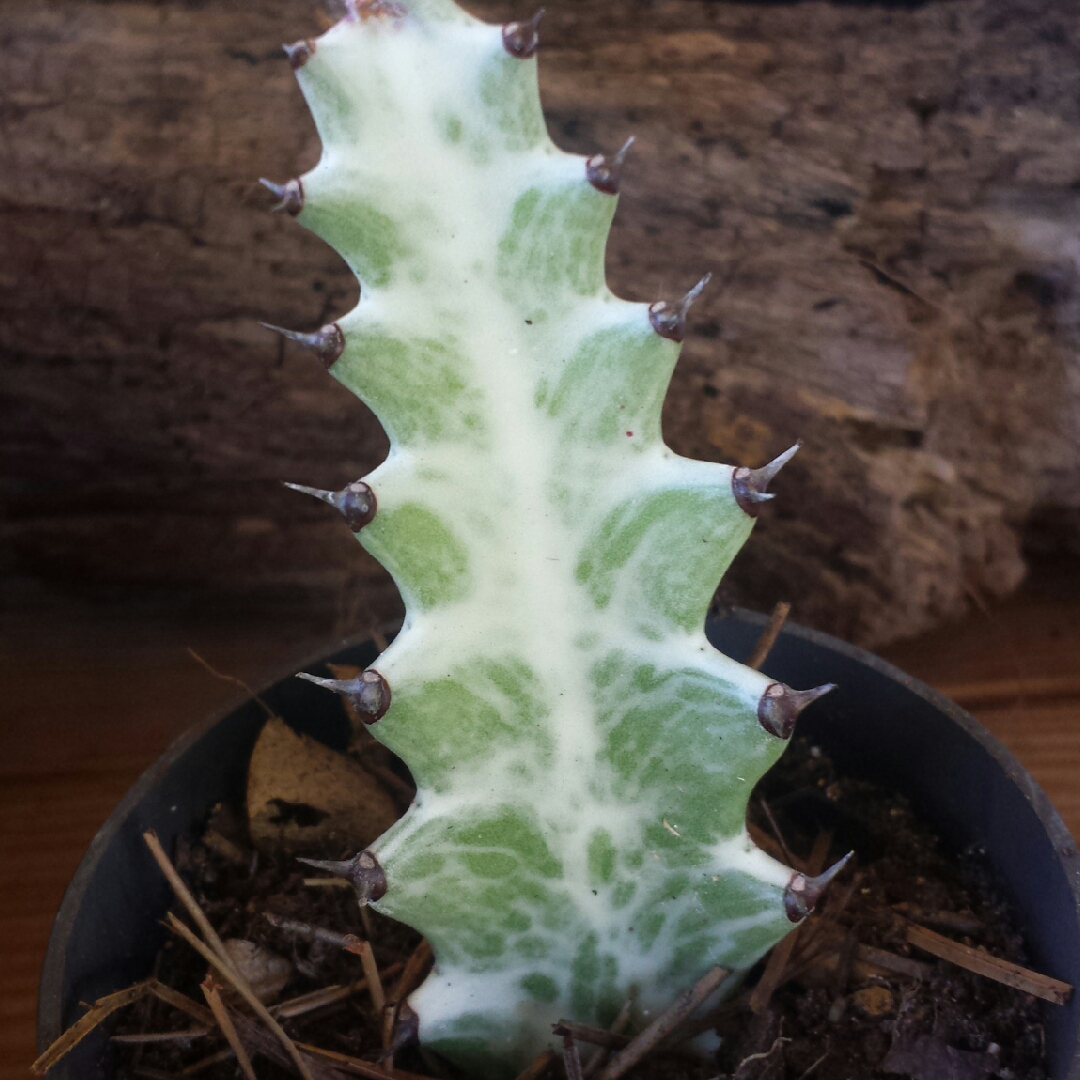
(853, 1001)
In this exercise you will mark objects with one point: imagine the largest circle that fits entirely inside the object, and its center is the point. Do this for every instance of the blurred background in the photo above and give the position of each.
(887, 195)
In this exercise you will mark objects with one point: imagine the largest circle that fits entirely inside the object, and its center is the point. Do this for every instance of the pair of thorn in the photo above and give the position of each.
(356, 502)
(604, 175)
(777, 709)
(368, 879)
(668, 320)
(520, 39)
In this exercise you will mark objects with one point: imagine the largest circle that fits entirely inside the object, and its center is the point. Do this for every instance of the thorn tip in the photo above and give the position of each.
(299, 53)
(802, 893)
(355, 501)
(749, 486)
(780, 706)
(290, 195)
(328, 342)
(606, 176)
(669, 320)
(369, 693)
(520, 39)
(362, 871)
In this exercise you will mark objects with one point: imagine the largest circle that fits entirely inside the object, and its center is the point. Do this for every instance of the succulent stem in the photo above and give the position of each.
(582, 756)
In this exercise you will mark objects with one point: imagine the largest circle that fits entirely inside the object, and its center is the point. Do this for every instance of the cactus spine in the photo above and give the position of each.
(583, 755)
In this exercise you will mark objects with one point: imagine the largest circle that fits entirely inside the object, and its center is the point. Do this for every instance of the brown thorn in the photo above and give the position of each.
(669, 320)
(240, 984)
(769, 635)
(362, 872)
(606, 176)
(369, 693)
(665, 1024)
(355, 502)
(299, 53)
(749, 486)
(290, 195)
(779, 706)
(327, 343)
(802, 892)
(520, 39)
(212, 993)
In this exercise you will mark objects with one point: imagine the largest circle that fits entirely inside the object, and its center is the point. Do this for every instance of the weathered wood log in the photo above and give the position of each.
(888, 200)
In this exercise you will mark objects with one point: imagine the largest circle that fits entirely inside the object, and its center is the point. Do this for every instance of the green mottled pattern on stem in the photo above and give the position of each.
(584, 757)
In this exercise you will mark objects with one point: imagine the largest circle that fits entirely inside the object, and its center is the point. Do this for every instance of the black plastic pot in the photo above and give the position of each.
(880, 725)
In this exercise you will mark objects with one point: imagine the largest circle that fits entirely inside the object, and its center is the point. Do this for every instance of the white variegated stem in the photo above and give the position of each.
(583, 756)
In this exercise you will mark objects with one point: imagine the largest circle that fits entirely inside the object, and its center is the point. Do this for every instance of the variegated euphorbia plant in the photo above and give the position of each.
(583, 756)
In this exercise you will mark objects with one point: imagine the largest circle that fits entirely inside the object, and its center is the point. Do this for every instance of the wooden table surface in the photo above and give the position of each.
(92, 695)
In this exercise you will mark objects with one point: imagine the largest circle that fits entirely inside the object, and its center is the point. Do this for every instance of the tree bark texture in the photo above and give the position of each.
(888, 198)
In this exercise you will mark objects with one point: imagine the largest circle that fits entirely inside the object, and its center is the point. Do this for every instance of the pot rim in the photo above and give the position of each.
(50, 990)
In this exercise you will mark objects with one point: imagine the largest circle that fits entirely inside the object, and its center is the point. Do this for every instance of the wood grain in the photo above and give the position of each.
(884, 197)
